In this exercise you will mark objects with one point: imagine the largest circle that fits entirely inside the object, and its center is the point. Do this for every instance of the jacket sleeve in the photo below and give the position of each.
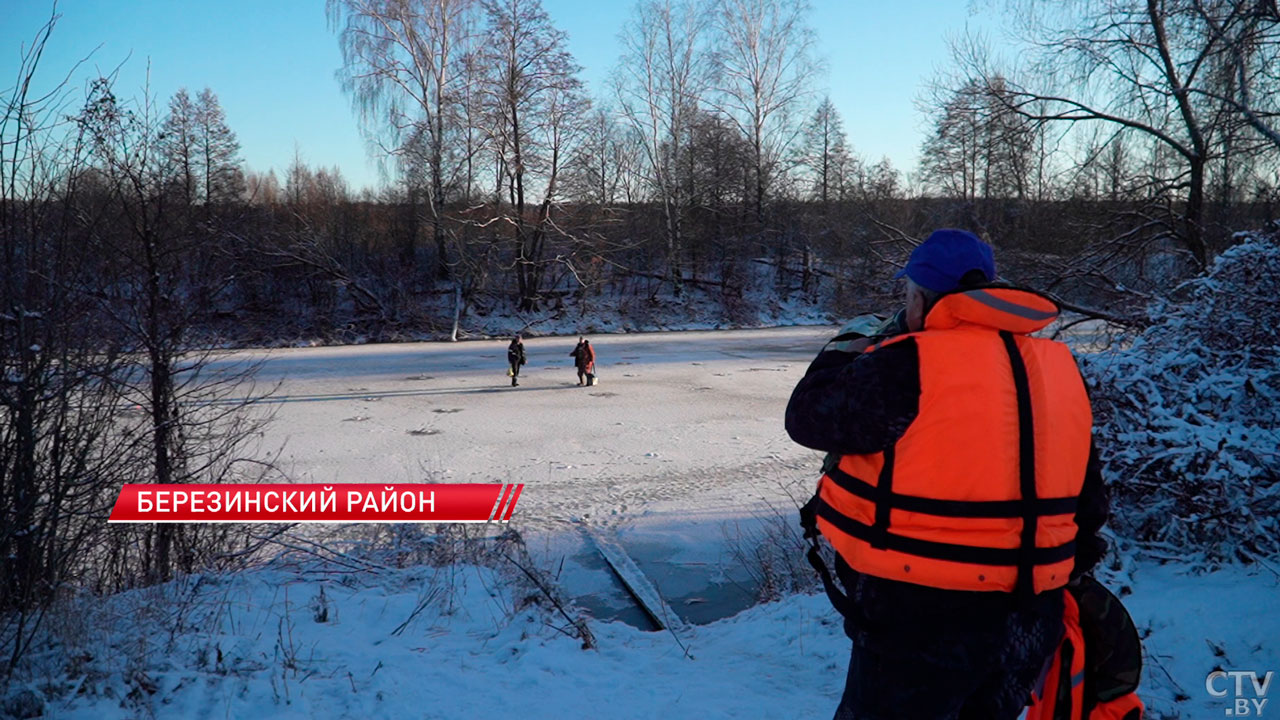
(1091, 514)
(856, 403)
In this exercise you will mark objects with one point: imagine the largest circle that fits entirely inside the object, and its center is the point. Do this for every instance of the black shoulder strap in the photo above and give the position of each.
(839, 600)
(809, 522)
(1026, 468)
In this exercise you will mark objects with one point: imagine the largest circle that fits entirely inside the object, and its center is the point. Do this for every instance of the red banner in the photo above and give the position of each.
(350, 502)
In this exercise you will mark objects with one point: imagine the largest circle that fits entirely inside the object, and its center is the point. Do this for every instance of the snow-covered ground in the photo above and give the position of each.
(251, 647)
(679, 454)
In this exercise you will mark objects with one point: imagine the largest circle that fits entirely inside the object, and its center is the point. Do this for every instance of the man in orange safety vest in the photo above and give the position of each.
(961, 492)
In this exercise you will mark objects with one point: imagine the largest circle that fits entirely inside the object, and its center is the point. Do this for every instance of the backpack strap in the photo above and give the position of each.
(809, 522)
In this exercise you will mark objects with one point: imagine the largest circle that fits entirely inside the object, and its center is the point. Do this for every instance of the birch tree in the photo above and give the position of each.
(407, 67)
(764, 70)
(533, 91)
(660, 84)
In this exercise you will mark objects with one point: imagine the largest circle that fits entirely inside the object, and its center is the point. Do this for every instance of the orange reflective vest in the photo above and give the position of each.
(1062, 696)
(980, 492)
(1066, 669)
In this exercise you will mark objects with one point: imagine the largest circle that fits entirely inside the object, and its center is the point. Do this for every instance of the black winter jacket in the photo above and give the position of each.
(515, 353)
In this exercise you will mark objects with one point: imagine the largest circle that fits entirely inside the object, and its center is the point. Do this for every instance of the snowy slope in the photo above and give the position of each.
(780, 660)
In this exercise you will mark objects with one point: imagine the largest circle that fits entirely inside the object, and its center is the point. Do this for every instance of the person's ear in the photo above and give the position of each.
(915, 309)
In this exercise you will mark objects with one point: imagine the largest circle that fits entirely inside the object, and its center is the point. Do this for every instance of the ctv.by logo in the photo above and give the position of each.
(1219, 685)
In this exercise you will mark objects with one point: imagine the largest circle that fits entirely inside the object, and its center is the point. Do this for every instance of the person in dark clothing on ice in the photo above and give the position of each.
(515, 358)
(961, 491)
(584, 358)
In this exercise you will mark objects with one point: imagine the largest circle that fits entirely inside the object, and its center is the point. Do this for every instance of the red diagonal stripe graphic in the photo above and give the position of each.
(513, 499)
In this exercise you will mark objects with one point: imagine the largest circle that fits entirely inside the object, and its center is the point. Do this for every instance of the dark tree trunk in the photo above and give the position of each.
(1194, 221)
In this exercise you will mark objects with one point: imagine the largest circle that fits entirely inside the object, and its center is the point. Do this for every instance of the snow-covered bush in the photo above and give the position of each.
(1188, 415)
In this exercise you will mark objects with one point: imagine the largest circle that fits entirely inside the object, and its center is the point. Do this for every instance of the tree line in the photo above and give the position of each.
(1123, 127)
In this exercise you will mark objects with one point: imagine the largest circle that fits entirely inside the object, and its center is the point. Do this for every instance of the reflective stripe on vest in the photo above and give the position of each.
(980, 492)
(1054, 702)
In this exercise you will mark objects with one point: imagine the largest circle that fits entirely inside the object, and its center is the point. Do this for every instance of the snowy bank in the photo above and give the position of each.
(251, 645)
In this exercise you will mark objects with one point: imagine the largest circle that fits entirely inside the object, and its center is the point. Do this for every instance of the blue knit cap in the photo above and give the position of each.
(940, 261)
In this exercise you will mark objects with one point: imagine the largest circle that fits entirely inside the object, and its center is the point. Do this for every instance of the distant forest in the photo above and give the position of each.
(1118, 156)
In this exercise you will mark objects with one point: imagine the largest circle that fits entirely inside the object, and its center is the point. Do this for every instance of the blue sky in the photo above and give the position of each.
(272, 63)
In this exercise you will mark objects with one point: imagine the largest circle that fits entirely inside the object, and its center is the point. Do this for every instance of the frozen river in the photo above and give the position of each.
(678, 453)
(688, 420)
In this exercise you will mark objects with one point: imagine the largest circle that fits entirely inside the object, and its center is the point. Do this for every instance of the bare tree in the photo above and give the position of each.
(222, 180)
(830, 173)
(63, 447)
(765, 68)
(157, 283)
(979, 148)
(534, 93)
(660, 83)
(1248, 71)
(601, 163)
(716, 178)
(200, 152)
(881, 181)
(825, 154)
(1144, 65)
(96, 386)
(179, 141)
(409, 67)
(262, 188)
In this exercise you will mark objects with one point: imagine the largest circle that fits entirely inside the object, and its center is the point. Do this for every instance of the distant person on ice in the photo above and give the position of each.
(584, 358)
(961, 493)
(515, 358)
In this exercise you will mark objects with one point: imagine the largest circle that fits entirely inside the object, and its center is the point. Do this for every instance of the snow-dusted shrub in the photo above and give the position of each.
(1188, 415)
